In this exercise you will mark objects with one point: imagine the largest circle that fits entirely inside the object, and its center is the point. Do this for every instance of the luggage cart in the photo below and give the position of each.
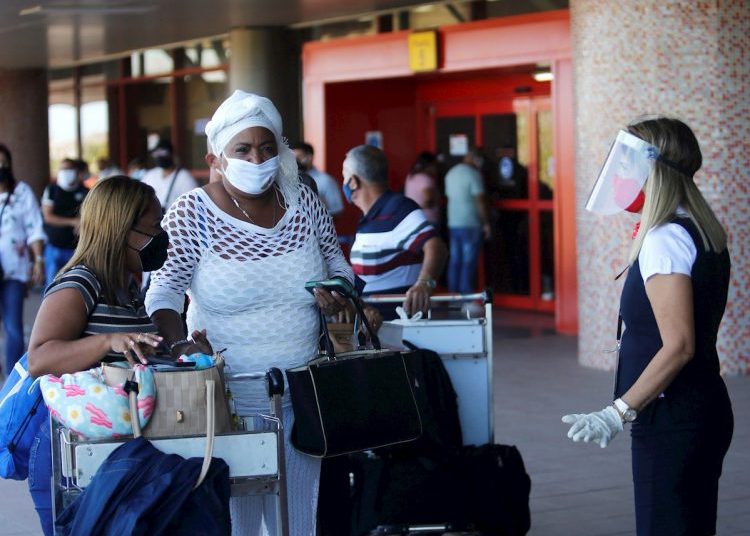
(464, 344)
(256, 458)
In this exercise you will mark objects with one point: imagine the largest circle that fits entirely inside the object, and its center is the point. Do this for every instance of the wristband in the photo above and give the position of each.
(431, 283)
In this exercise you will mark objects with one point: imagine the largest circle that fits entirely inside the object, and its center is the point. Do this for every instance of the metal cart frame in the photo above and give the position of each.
(75, 461)
(465, 346)
(467, 354)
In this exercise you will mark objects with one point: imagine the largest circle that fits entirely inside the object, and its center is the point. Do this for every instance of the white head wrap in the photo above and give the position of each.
(243, 110)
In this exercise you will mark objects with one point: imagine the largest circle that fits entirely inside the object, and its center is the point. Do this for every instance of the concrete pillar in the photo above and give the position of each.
(23, 124)
(679, 58)
(267, 61)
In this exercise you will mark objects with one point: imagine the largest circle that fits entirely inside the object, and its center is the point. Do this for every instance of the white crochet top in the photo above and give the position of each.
(246, 283)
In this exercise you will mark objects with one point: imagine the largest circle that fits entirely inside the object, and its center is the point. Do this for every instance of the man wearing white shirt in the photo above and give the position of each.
(328, 189)
(168, 181)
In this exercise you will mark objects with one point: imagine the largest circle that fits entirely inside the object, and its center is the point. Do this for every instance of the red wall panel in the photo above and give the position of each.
(352, 109)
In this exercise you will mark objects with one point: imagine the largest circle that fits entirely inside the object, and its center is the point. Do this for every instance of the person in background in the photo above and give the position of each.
(168, 180)
(327, 187)
(243, 247)
(83, 169)
(468, 221)
(668, 385)
(91, 311)
(106, 168)
(137, 168)
(61, 203)
(421, 186)
(396, 250)
(21, 253)
(513, 177)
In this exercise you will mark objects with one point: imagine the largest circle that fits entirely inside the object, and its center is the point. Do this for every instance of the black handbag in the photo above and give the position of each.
(353, 401)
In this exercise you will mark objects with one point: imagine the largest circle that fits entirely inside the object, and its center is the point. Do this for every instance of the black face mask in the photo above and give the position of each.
(164, 162)
(154, 254)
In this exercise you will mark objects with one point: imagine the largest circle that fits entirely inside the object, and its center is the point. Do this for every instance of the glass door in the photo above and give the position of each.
(515, 138)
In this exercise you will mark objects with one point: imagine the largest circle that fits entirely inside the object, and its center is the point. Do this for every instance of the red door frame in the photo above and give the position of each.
(489, 44)
(477, 108)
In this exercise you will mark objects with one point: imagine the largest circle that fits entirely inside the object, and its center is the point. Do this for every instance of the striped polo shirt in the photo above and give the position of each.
(104, 318)
(387, 251)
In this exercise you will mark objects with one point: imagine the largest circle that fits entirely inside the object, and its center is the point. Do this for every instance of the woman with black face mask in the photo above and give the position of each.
(91, 312)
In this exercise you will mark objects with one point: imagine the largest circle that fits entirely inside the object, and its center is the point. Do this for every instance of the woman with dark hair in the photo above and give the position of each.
(21, 253)
(668, 384)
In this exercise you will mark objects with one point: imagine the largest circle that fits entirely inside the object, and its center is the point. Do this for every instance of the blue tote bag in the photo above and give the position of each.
(22, 412)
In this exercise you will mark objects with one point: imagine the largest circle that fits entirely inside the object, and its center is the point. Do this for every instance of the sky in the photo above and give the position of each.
(62, 121)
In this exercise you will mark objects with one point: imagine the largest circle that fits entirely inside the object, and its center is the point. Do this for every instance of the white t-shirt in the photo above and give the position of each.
(183, 183)
(667, 249)
(21, 224)
(328, 190)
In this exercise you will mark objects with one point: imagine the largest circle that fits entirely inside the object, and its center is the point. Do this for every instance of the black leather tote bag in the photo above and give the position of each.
(353, 401)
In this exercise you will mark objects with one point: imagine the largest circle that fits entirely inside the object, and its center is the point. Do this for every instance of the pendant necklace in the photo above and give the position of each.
(244, 212)
(236, 204)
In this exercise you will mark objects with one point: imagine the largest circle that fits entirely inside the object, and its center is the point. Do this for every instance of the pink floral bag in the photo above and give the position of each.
(84, 403)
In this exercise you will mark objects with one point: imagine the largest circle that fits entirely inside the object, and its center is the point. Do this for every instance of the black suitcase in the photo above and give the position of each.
(483, 490)
(433, 483)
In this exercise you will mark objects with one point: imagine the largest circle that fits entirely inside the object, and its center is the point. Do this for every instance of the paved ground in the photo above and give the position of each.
(577, 490)
(581, 489)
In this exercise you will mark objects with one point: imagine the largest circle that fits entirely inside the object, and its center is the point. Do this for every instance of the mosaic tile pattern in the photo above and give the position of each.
(688, 59)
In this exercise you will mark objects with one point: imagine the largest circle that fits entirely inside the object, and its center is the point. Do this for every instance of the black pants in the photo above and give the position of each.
(676, 467)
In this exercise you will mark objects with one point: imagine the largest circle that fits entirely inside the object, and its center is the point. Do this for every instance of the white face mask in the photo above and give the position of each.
(66, 179)
(253, 179)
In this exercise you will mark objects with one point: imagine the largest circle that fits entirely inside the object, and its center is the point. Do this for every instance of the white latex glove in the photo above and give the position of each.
(402, 314)
(599, 426)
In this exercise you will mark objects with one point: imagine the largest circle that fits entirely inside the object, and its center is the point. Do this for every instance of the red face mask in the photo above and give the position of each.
(636, 206)
(628, 194)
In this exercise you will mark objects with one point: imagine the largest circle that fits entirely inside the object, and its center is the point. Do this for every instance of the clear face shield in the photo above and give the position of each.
(623, 175)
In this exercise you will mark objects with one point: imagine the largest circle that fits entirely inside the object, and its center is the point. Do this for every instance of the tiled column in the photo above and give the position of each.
(681, 58)
(23, 124)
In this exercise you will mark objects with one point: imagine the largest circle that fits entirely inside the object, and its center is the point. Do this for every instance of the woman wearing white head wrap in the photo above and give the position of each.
(242, 248)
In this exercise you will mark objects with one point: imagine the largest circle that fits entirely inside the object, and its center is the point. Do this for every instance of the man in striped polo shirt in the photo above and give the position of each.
(396, 250)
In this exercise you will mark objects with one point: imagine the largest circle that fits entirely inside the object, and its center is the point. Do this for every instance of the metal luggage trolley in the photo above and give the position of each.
(464, 344)
(256, 458)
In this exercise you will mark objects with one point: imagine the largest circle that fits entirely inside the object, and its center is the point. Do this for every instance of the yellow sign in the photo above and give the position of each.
(423, 51)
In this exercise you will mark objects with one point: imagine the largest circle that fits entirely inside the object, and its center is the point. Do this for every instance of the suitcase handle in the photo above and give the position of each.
(274, 382)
